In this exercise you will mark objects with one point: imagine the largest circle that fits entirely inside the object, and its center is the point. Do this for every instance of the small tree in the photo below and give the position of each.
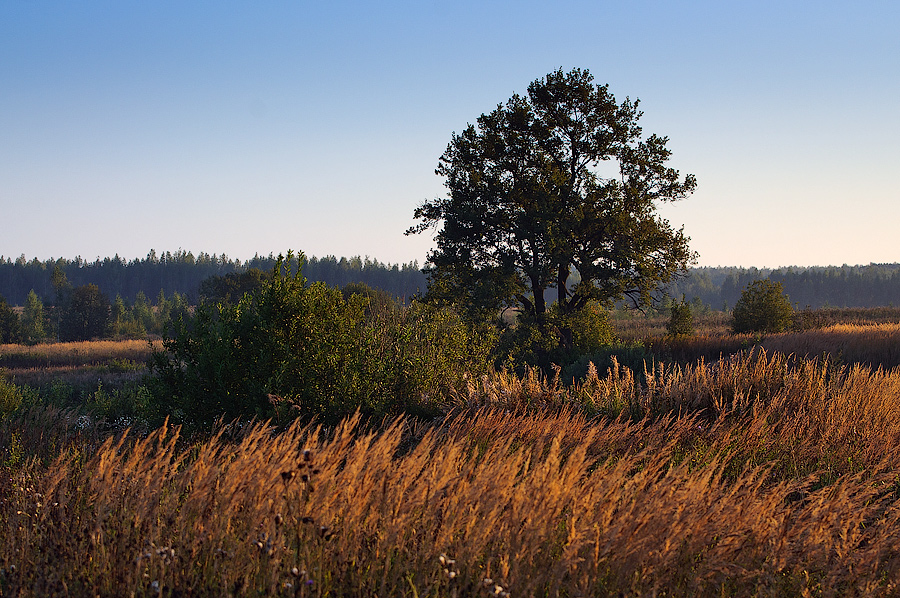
(681, 322)
(9, 323)
(33, 325)
(763, 307)
(86, 315)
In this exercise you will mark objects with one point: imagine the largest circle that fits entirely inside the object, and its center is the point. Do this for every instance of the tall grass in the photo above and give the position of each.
(875, 345)
(760, 475)
(75, 353)
(79, 364)
(870, 344)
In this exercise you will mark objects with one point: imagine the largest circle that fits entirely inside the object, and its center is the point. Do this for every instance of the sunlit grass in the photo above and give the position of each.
(759, 475)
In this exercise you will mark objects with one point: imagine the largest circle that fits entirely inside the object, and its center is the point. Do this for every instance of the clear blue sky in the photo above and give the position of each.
(255, 127)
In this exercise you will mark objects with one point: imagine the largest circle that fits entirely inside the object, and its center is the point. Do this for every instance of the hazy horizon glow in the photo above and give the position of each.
(252, 129)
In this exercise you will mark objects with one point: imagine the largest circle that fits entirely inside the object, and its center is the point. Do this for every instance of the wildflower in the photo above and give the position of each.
(264, 544)
(449, 566)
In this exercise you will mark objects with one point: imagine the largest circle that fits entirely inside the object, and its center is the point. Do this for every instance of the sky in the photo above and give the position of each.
(251, 128)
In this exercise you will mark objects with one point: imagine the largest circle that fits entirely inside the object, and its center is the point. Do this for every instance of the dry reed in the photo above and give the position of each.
(761, 475)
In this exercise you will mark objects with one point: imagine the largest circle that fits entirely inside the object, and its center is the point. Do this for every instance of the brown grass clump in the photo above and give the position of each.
(761, 475)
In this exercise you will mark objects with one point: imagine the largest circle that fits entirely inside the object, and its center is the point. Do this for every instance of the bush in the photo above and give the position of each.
(291, 349)
(86, 315)
(9, 324)
(559, 339)
(763, 307)
(681, 322)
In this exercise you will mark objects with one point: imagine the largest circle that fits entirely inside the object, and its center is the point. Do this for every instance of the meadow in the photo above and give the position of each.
(770, 470)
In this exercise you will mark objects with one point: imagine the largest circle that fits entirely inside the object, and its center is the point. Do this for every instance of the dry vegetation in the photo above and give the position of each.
(761, 475)
(110, 362)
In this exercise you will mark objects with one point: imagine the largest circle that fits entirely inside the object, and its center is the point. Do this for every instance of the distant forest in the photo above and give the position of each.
(875, 285)
(182, 272)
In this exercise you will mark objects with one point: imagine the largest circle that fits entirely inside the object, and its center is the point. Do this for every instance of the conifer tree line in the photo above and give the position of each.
(176, 277)
(182, 273)
(873, 285)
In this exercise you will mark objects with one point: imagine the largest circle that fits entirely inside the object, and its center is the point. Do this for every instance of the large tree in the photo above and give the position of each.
(557, 189)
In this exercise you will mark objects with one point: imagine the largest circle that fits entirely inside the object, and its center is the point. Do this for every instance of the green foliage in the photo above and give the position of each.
(123, 323)
(591, 327)
(414, 356)
(85, 315)
(763, 307)
(528, 209)
(681, 321)
(232, 286)
(34, 325)
(9, 324)
(536, 342)
(379, 300)
(10, 396)
(291, 349)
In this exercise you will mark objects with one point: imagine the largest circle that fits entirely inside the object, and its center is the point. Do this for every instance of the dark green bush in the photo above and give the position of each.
(9, 324)
(763, 307)
(291, 349)
(681, 321)
(531, 343)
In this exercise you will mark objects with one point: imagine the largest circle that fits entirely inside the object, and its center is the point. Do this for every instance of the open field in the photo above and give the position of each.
(631, 327)
(106, 362)
(774, 471)
(758, 476)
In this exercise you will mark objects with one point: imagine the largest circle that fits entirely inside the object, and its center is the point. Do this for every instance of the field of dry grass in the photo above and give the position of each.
(760, 475)
(109, 362)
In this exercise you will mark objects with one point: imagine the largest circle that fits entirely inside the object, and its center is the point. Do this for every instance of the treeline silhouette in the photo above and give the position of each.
(182, 272)
(874, 285)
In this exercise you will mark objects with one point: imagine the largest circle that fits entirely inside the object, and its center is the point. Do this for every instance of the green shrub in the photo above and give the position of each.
(763, 307)
(559, 339)
(291, 349)
(10, 396)
(9, 324)
(13, 397)
(592, 329)
(681, 321)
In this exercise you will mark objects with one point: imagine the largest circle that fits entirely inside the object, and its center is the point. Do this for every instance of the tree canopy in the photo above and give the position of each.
(556, 189)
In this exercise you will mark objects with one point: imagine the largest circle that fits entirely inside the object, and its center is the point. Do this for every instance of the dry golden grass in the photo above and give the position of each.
(761, 475)
(90, 362)
(875, 345)
(869, 344)
(638, 327)
(75, 354)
